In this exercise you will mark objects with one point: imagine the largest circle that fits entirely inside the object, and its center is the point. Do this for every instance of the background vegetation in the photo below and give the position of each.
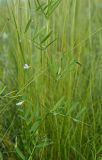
(51, 80)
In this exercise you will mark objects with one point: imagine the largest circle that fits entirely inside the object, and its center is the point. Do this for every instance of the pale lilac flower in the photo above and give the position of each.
(19, 103)
(4, 36)
(26, 66)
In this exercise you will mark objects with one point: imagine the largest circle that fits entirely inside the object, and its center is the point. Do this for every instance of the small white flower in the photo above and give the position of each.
(5, 36)
(26, 66)
(19, 103)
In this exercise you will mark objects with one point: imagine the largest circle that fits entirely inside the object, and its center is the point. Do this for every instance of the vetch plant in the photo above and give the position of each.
(50, 63)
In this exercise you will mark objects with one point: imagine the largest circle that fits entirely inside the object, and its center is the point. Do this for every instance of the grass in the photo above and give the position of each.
(51, 80)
